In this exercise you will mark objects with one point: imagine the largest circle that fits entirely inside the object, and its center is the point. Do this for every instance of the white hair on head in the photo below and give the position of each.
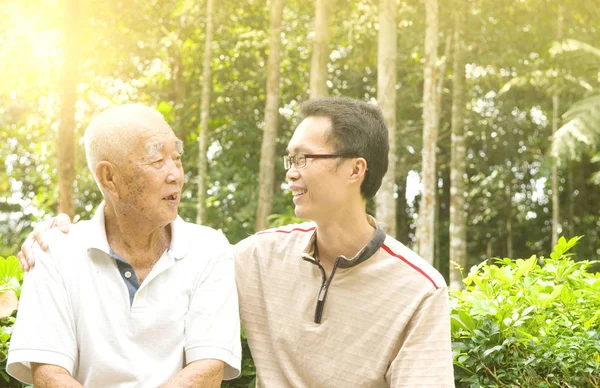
(112, 134)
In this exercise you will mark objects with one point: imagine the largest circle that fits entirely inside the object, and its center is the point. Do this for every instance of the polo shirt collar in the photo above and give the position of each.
(178, 248)
(180, 243)
(366, 252)
(97, 236)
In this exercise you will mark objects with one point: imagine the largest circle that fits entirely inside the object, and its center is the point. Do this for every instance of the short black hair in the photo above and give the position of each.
(358, 129)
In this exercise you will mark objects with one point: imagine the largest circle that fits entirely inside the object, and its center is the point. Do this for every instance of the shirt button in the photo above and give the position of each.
(127, 274)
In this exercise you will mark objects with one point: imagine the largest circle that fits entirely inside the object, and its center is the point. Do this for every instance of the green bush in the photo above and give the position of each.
(11, 278)
(247, 378)
(528, 323)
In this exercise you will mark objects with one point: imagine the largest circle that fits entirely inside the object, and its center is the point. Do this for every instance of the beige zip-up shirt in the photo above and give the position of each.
(382, 319)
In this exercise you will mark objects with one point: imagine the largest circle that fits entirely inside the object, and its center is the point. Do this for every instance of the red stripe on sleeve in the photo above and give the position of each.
(388, 250)
(287, 231)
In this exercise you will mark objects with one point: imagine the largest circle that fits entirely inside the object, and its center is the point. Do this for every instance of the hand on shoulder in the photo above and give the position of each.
(26, 256)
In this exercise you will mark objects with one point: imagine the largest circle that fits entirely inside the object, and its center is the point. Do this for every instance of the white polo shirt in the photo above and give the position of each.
(75, 309)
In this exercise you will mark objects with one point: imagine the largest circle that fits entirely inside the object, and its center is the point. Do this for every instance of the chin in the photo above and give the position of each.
(168, 218)
(303, 213)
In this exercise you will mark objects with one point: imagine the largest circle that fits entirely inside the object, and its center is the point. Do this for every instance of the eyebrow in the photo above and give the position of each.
(152, 149)
(297, 150)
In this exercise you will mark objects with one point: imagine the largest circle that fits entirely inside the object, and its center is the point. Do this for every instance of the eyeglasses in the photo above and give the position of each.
(299, 160)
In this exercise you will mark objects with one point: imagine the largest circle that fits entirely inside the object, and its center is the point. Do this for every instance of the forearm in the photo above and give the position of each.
(52, 376)
(201, 373)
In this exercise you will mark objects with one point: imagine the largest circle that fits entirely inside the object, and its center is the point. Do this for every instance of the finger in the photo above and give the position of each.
(63, 221)
(36, 237)
(27, 254)
(26, 250)
(22, 262)
(20, 258)
(30, 260)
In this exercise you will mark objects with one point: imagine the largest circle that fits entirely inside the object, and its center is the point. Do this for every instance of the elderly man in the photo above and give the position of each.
(336, 302)
(134, 297)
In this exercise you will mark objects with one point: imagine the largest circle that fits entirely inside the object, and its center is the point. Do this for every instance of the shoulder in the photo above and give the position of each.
(67, 252)
(80, 234)
(199, 241)
(61, 245)
(278, 238)
(200, 233)
(410, 260)
(290, 229)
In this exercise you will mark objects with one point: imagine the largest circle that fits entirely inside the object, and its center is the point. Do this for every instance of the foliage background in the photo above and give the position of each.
(150, 51)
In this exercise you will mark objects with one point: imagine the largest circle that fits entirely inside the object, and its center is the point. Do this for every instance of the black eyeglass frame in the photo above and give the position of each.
(290, 160)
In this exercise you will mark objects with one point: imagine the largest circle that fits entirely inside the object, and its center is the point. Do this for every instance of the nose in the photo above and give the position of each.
(174, 171)
(292, 174)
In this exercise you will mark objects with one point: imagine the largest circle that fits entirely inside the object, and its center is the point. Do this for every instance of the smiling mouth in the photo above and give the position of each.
(172, 197)
(297, 193)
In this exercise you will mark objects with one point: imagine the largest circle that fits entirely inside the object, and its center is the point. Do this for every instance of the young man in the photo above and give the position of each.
(134, 297)
(336, 302)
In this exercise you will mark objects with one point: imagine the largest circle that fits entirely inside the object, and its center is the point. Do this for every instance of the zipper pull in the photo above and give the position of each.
(320, 305)
(322, 292)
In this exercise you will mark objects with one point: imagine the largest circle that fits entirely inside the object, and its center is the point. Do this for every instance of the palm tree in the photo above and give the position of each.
(580, 131)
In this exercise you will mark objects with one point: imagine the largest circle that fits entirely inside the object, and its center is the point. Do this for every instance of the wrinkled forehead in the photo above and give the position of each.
(150, 140)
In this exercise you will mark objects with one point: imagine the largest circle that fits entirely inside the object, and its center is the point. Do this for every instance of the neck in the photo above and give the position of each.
(141, 243)
(345, 235)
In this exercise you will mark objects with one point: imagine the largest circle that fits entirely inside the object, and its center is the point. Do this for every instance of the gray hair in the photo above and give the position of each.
(112, 134)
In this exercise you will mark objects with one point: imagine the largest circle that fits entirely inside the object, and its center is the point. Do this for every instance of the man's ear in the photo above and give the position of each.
(108, 178)
(359, 169)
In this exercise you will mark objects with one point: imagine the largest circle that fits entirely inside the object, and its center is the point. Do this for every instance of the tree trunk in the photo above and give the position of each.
(180, 91)
(440, 262)
(267, 152)
(66, 131)
(442, 246)
(402, 226)
(426, 222)
(556, 226)
(204, 116)
(386, 97)
(458, 167)
(436, 231)
(509, 225)
(570, 200)
(320, 54)
(441, 77)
